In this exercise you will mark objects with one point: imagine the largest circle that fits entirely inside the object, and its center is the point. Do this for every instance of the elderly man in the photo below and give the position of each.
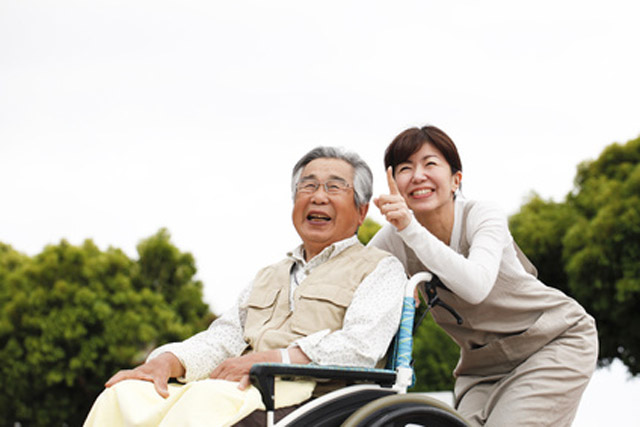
(331, 301)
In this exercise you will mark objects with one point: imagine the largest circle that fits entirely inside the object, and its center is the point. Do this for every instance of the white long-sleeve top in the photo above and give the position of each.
(370, 322)
(471, 278)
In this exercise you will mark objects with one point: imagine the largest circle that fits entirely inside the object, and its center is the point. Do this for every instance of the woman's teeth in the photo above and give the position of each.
(422, 192)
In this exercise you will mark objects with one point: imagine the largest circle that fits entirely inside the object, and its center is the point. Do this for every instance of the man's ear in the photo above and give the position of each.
(362, 213)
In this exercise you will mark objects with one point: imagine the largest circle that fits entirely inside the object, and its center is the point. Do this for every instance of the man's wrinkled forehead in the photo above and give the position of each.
(330, 177)
(328, 168)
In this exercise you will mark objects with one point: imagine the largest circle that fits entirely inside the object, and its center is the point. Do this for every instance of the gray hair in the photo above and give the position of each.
(362, 176)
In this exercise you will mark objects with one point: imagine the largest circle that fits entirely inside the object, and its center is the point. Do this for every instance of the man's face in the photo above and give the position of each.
(321, 218)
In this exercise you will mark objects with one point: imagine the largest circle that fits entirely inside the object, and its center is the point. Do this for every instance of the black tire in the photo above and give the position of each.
(402, 409)
(334, 412)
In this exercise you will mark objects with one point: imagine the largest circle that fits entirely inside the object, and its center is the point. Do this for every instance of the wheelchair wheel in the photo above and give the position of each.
(404, 410)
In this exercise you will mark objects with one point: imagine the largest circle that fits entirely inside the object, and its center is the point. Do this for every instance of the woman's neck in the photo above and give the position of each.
(439, 222)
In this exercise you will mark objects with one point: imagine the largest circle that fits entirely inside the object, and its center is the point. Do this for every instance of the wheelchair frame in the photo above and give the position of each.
(383, 399)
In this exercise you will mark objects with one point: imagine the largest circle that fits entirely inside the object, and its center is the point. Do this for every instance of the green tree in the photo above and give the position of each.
(367, 230)
(539, 228)
(72, 316)
(434, 354)
(166, 270)
(589, 246)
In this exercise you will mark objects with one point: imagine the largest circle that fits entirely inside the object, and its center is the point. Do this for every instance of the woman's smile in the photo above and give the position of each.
(421, 193)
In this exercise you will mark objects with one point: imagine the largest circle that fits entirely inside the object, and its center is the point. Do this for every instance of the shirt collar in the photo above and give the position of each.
(297, 255)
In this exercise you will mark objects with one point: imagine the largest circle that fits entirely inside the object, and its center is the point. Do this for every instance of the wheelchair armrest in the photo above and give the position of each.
(263, 376)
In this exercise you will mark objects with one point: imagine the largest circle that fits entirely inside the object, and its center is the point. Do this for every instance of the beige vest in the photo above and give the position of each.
(519, 316)
(320, 301)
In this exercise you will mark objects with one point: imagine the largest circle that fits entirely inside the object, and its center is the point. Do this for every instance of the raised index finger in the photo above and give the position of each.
(393, 187)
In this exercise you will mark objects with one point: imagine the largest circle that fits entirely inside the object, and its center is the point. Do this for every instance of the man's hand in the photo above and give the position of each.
(158, 371)
(392, 205)
(237, 368)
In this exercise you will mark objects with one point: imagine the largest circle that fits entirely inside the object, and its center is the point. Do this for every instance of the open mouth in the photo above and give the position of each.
(422, 192)
(318, 217)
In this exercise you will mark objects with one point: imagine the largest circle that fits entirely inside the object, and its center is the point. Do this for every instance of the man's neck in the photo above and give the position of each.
(310, 251)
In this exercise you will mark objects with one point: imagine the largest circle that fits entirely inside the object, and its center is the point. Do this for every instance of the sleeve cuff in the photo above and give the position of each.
(173, 349)
(309, 343)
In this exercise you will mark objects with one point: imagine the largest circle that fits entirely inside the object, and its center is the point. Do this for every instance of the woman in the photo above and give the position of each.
(527, 351)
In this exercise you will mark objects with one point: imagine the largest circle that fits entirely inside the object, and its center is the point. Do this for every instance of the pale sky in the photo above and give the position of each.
(118, 118)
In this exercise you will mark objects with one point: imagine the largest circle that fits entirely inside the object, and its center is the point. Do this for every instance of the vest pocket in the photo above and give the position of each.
(260, 307)
(320, 307)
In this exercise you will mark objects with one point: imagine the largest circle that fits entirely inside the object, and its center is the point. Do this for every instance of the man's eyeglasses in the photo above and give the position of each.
(332, 186)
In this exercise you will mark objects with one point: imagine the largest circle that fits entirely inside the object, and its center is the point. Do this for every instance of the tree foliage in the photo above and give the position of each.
(367, 230)
(434, 354)
(72, 316)
(589, 246)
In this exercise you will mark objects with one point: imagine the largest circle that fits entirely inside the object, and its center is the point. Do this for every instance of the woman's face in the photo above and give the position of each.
(425, 180)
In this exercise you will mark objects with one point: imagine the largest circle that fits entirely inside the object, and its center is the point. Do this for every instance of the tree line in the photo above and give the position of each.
(71, 316)
(588, 245)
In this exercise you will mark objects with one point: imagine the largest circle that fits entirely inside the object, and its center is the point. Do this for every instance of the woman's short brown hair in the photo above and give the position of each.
(412, 139)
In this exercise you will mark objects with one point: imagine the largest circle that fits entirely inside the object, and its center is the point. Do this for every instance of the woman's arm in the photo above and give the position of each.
(471, 278)
(388, 240)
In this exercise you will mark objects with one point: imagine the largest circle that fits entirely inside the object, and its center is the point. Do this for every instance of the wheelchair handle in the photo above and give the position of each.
(433, 299)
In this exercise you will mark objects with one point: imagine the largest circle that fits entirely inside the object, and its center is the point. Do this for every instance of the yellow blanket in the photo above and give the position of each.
(199, 403)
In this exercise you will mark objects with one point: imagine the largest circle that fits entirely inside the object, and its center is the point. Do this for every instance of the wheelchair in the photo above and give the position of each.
(372, 397)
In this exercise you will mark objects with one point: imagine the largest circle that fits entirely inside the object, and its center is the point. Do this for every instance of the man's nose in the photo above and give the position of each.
(320, 196)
